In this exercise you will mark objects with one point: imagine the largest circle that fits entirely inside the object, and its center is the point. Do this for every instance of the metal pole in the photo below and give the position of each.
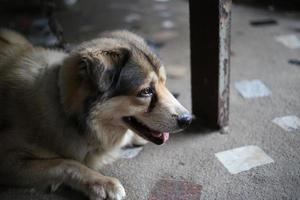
(210, 58)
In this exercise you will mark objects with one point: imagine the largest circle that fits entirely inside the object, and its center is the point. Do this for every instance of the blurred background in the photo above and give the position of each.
(265, 48)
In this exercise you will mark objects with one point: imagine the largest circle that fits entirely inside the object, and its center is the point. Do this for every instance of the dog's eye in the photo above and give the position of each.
(147, 92)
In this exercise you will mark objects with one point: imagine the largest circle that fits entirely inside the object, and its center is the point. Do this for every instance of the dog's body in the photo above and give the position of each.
(63, 116)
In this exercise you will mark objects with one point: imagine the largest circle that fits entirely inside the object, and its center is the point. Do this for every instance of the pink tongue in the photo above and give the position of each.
(165, 136)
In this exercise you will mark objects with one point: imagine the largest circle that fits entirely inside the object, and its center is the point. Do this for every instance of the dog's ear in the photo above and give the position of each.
(102, 69)
(86, 75)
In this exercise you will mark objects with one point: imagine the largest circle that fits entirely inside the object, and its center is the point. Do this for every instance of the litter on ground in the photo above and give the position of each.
(263, 22)
(288, 123)
(243, 158)
(167, 24)
(252, 88)
(291, 41)
(133, 17)
(294, 62)
(131, 152)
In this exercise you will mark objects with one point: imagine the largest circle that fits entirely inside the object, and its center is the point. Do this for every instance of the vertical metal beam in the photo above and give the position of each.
(210, 53)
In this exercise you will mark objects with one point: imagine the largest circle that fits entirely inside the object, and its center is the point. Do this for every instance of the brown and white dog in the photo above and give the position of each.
(63, 116)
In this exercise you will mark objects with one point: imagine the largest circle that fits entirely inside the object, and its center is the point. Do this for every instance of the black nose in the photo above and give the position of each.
(184, 120)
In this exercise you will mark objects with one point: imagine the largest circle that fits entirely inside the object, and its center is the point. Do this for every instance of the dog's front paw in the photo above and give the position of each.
(114, 189)
(108, 189)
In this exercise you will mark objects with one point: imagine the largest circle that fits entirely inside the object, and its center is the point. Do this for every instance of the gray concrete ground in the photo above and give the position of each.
(190, 156)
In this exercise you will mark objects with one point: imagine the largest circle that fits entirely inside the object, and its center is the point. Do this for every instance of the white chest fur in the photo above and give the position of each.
(109, 152)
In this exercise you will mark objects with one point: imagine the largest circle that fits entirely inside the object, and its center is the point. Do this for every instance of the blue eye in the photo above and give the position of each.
(147, 92)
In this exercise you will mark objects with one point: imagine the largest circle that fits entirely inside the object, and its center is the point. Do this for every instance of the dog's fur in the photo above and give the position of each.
(61, 115)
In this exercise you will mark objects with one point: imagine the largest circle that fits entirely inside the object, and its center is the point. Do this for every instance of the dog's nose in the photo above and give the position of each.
(184, 120)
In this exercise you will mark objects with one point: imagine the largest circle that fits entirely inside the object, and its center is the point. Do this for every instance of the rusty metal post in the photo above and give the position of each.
(210, 54)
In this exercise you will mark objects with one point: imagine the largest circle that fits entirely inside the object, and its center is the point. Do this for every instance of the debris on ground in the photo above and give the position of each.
(133, 17)
(252, 89)
(176, 72)
(294, 62)
(129, 153)
(175, 94)
(181, 163)
(175, 190)
(167, 24)
(263, 22)
(243, 158)
(288, 123)
(291, 41)
(133, 20)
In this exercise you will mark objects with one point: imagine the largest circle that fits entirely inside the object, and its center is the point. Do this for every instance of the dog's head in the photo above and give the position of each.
(117, 82)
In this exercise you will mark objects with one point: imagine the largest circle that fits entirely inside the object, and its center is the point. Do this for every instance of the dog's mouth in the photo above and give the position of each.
(145, 132)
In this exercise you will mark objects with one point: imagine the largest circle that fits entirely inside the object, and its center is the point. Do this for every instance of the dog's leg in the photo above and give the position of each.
(69, 172)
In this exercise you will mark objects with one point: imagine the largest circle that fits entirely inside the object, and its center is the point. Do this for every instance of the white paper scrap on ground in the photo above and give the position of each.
(132, 18)
(131, 152)
(288, 123)
(243, 158)
(291, 41)
(167, 24)
(252, 88)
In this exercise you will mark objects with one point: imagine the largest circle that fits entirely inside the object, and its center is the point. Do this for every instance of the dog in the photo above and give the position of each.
(66, 115)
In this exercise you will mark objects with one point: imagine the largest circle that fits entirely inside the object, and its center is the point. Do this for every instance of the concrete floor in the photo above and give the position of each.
(190, 156)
